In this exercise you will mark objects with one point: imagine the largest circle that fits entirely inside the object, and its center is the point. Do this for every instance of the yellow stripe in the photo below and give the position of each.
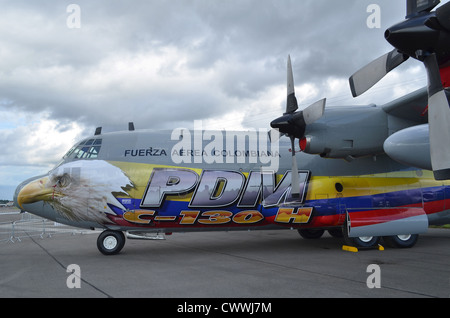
(365, 185)
(319, 187)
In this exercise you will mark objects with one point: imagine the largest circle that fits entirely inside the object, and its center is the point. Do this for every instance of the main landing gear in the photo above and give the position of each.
(397, 241)
(401, 241)
(110, 242)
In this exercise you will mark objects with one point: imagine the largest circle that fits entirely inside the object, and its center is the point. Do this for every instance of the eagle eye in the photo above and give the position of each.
(63, 181)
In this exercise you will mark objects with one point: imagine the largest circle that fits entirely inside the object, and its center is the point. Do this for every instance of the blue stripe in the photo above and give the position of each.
(323, 207)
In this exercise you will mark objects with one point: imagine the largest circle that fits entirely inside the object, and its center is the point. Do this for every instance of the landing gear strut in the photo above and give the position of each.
(110, 242)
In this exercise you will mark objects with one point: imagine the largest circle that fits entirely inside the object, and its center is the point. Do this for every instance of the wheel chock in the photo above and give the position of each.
(355, 249)
(349, 248)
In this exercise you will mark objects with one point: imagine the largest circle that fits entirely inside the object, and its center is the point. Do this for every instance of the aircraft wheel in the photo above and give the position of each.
(401, 241)
(311, 234)
(110, 242)
(362, 241)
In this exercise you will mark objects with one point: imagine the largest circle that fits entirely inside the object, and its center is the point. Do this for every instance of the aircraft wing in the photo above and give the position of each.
(411, 107)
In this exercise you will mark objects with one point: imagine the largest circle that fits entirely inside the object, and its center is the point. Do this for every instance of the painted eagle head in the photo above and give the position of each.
(80, 190)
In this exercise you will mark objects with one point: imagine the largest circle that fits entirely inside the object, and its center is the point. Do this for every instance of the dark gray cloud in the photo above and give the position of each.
(226, 52)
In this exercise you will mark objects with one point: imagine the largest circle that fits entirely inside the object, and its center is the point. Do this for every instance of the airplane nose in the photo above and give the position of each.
(16, 195)
(30, 191)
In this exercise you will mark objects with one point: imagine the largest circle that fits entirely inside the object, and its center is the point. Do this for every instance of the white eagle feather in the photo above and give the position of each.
(83, 190)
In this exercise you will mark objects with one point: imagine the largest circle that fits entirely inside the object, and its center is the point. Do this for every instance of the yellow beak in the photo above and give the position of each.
(35, 191)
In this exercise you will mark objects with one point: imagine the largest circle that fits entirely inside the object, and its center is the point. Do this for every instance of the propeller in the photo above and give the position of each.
(424, 36)
(293, 123)
(421, 30)
(439, 120)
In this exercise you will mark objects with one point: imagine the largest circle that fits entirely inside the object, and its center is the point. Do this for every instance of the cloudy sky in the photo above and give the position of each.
(164, 64)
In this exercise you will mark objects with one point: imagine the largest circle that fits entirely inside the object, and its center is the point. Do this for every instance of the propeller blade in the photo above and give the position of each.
(291, 104)
(438, 119)
(314, 112)
(295, 180)
(443, 16)
(372, 73)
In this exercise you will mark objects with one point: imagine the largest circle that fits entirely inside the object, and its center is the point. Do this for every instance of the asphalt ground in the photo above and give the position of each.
(223, 265)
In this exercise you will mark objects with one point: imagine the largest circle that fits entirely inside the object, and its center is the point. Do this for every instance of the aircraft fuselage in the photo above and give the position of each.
(146, 181)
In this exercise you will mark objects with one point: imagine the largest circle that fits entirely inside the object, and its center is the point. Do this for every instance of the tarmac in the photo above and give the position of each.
(222, 265)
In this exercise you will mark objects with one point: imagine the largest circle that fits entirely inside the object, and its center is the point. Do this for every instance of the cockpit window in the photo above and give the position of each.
(87, 149)
(89, 142)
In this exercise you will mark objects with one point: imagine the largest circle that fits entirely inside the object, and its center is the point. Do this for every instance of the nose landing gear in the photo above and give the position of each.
(110, 242)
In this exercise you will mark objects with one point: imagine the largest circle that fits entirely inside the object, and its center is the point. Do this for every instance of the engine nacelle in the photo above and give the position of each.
(347, 133)
(410, 146)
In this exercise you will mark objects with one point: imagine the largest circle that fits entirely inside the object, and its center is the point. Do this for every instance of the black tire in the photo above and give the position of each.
(401, 241)
(361, 242)
(311, 234)
(110, 242)
(337, 232)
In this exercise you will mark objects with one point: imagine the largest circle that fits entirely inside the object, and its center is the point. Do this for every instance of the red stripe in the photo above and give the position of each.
(435, 206)
(371, 217)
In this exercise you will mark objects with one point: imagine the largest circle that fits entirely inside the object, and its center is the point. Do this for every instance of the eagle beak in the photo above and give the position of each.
(35, 191)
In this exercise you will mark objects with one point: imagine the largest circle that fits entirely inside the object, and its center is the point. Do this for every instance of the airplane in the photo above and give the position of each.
(364, 173)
